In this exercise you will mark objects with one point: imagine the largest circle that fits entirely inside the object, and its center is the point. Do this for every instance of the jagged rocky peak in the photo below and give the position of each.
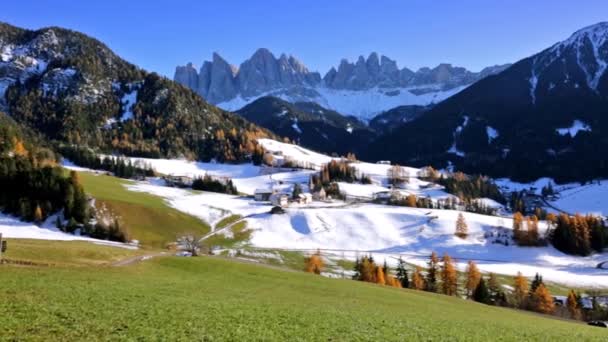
(575, 65)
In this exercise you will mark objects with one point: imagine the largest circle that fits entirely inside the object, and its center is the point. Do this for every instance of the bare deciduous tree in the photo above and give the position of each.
(190, 243)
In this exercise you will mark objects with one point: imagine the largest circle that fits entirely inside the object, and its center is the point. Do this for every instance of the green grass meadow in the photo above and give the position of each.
(214, 299)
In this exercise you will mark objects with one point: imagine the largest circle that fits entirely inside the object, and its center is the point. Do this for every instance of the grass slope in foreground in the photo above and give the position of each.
(216, 299)
(147, 218)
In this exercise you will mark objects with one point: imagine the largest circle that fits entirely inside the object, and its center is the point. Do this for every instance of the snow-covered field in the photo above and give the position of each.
(364, 104)
(390, 231)
(11, 227)
(591, 198)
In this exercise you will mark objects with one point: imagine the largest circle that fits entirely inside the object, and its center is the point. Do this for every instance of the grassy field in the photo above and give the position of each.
(215, 299)
(147, 217)
(65, 253)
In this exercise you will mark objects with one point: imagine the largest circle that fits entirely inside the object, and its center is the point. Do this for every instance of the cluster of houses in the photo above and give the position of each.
(283, 199)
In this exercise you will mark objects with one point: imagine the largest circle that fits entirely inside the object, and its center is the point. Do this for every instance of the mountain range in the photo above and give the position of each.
(546, 115)
(363, 89)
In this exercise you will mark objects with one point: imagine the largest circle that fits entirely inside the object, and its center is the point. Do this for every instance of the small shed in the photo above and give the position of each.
(262, 194)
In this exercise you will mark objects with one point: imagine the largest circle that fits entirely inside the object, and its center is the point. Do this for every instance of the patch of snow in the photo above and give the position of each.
(573, 130)
(364, 104)
(295, 126)
(128, 101)
(492, 133)
(13, 228)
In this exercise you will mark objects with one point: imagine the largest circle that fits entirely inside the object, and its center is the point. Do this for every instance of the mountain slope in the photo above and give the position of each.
(393, 118)
(309, 124)
(74, 89)
(544, 116)
(362, 89)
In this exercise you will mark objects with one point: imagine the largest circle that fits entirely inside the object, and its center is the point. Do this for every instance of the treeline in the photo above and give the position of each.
(341, 171)
(34, 192)
(578, 234)
(208, 183)
(120, 167)
(450, 203)
(470, 187)
(33, 187)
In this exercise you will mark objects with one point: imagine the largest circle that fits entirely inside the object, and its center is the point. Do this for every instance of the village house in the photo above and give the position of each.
(262, 194)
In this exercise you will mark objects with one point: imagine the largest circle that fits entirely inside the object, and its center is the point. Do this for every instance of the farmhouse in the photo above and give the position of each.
(262, 194)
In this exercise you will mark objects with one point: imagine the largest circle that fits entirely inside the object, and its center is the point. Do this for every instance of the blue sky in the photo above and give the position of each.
(158, 35)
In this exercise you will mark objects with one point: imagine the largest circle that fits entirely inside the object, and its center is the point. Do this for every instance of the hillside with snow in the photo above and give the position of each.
(348, 229)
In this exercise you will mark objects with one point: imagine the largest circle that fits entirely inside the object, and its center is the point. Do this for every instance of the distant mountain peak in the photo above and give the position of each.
(287, 77)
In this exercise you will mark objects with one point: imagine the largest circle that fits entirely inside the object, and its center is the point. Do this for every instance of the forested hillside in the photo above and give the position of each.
(73, 89)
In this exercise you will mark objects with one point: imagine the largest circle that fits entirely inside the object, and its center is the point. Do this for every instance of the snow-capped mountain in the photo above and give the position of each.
(546, 115)
(362, 89)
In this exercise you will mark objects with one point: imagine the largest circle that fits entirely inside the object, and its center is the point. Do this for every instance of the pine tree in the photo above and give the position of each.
(542, 300)
(473, 278)
(461, 227)
(449, 276)
(481, 293)
(402, 274)
(573, 305)
(297, 190)
(538, 280)
(431, 275)
(410, 200)
(418, 282)
(520, 290)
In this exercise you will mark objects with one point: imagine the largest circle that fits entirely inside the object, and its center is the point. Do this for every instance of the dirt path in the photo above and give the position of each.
(136, 259)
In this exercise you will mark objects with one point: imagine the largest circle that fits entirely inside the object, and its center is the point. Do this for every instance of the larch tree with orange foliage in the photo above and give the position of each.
(18, 148)
(38, 214)
(380, 276)
(461, 227)
(542, 300)
(520, 290)
(573, 305)
(418, 282)
(314, 263)
(473, 278)
(449, 276)
(518, 222)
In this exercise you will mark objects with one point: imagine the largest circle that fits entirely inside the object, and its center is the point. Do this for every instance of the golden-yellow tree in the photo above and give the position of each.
(573, 305)
(314, 263)
(410, 200)
(38, 214)
(542, 299)
(418, 282)
(473, 277)
(380, 276)
(449, 276)
(18, 148)
(461, 227)
(518, 222)
(520, 289)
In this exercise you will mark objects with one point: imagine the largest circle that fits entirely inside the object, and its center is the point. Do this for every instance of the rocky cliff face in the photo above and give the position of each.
(375, 83)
